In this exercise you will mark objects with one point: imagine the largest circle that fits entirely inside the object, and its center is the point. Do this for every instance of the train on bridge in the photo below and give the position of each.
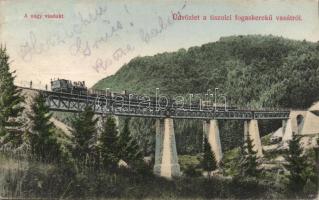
(79, 88)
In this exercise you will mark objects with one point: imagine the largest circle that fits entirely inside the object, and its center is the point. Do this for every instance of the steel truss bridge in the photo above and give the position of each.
(106, 105)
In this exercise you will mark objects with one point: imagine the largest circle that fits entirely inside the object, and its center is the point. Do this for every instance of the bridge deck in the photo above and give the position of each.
(67, 102)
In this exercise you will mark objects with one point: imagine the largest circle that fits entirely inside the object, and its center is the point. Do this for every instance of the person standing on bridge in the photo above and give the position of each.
(30, 84)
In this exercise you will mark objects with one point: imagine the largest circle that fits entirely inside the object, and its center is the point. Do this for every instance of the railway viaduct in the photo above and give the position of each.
(166, 160)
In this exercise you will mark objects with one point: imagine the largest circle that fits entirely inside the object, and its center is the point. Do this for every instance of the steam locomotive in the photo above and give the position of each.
(66, 86)
(76, 87)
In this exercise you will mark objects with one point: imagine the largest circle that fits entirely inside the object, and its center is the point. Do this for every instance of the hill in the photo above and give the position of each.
(252, 70)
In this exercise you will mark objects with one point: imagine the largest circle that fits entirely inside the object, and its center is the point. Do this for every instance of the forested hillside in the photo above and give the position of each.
(254, 70)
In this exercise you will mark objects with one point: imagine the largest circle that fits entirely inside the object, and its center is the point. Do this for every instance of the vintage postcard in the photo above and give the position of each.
(159, 99)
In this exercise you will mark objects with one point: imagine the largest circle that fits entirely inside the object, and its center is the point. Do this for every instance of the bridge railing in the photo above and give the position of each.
(270, 108)
(38, 85)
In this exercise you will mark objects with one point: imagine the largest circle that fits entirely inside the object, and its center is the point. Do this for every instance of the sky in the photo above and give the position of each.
(94, 39)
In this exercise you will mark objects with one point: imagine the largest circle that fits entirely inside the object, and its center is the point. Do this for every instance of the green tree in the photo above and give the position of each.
(84, 132)
(302, 171)
(129, 149)
(248, 164)
(10, 104)
(208, 162)
(43, 143)
(108, 144)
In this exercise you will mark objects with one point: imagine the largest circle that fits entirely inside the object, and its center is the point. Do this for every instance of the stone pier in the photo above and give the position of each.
(284, 125)
(294, 124)
(287, 131)
(251, 128)
(166, 160)
(211, 130)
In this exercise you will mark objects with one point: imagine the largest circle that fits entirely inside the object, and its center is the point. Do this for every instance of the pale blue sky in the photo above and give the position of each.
(41, 49)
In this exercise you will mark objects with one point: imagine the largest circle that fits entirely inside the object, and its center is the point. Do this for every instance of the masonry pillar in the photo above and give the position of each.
(211, 130)
(287, 133)
(205, 133)
(246, 129)
(166, 160)
(251, 128)
(284, 125)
